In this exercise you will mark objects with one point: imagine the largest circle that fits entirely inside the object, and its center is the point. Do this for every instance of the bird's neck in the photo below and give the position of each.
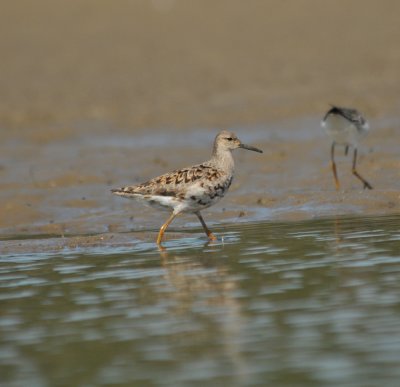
(223, 159)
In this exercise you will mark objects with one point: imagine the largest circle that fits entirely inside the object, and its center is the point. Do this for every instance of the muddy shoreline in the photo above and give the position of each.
(139, 88)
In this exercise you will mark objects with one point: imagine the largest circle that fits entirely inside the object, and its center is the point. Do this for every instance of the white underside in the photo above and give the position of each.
(342, 131)
(169, 203)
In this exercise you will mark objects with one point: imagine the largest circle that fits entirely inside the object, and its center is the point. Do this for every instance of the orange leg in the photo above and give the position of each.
(337, 184)
(355, 173)
(164, 227)
(210, 235)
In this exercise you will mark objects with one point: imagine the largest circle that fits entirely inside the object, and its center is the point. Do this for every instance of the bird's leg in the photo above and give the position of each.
(346, 150)
(164, 227)
(210, 235)
(333, 164)
(355, 173)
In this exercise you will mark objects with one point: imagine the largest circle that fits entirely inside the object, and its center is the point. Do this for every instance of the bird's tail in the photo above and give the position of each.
(126, 192)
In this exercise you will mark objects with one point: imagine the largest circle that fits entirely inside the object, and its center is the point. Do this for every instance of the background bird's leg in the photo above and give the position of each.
(164, 227)
(355, 173)
(210, 235)
(346, 150)
(334, 166)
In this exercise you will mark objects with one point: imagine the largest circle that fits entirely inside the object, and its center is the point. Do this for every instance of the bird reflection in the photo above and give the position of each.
(201, 285)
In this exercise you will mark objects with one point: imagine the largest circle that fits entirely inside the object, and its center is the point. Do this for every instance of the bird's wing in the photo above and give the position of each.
(173, 183)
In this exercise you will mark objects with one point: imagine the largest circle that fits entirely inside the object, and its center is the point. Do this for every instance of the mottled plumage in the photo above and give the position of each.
(191, 189)
(345, 127)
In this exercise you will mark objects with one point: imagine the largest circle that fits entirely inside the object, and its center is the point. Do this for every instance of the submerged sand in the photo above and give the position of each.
(97, 94)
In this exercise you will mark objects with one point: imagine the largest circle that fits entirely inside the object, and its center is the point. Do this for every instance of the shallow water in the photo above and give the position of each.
(312, 303)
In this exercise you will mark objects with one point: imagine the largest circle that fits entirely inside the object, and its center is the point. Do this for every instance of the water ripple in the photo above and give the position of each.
(313, 301)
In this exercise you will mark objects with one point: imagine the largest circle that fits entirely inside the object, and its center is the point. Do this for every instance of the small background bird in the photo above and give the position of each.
(345, 127)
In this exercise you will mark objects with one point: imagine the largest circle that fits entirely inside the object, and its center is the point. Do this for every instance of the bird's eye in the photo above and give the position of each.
(229, 138)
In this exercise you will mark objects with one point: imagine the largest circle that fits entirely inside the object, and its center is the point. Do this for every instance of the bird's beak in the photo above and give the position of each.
(249, 147)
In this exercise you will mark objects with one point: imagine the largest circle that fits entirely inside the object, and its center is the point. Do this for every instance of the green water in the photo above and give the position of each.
(314, 303)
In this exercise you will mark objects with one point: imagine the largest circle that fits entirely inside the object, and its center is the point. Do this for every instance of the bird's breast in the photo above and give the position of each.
(205, 194)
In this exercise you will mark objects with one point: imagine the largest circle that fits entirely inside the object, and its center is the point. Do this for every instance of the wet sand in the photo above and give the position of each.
(96, 95)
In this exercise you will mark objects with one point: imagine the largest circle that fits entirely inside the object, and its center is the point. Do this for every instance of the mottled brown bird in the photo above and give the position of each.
(191, 189)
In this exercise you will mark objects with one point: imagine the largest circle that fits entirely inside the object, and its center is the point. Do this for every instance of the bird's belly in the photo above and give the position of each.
(198, 199)
(342, 131)
(198, 203)
(164, 203)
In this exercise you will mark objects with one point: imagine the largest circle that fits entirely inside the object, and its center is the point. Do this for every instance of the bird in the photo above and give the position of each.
(346, 127)
(191, 189)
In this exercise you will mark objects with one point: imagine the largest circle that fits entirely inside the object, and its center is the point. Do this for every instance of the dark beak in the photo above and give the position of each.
(252, 148)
